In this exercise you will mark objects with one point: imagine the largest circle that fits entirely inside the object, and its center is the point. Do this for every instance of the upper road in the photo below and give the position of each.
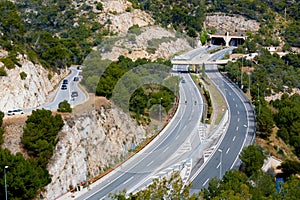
(61, 95)
(72, 86)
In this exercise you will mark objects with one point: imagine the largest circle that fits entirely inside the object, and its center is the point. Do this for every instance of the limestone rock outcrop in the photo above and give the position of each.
(92, 143)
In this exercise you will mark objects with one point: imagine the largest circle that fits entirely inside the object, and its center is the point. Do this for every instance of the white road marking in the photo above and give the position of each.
(128, 180)
(205, 182)
(233, 138)
(227, 150)
(177, 137)
(236, 105)
(238, 119)
(165, 149)
(218, 165)
(238, 112)
(237, 128)
(150, 163)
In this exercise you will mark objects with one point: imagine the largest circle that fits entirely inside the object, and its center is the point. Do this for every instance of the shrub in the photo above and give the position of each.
(99, 6)
(23, 75)
(128, 9)
(2, 71)
(9, 64)
(64, 106)
(49, 76)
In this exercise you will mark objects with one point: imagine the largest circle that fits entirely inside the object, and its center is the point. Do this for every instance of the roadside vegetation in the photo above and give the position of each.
(249, 183)
(56, 35)
(27, 176)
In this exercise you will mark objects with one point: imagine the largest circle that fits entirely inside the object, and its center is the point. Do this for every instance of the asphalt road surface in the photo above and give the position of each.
(240, 132)
(169, 151)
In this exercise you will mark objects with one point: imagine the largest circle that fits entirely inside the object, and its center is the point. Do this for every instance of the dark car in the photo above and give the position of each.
(76, 78)
(65, 81)
(64, 87)
(182, 81)
(74, 94)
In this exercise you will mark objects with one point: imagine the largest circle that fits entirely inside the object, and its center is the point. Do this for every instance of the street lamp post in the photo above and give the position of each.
(220, 150)
(242, 73)
(5, 167)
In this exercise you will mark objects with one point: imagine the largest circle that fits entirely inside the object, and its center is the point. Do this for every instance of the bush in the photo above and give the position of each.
(128, 9)
(49, 76)
(99, 6)
(23, 75)
(2, 71)
(64, 106)
(1, 118)
(9, 64)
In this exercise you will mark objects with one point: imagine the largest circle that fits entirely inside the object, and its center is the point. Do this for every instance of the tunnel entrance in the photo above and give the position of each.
(236, 41)
(218, 41)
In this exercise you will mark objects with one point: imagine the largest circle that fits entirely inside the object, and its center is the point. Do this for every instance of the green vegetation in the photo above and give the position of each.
(64, 106)
(51, 33)
(23, 75)
(235, 185)
(1, 128)
(40, 135)
(145, 97)
(252, 158)
(9, 64)
(287, 119)
(3, 71)
(99, 6)
(182, 15)
(24, 177)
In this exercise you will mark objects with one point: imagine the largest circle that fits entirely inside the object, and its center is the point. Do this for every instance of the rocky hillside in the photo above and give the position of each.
(98, 139)
(101, 136)
(235, 24)
(29, 90)
(149, 42)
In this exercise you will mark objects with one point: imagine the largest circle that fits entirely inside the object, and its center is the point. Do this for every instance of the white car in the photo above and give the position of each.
(15, 112)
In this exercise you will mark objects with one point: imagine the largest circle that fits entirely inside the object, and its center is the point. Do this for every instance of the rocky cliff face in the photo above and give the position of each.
(233, 24)
(30, 92)
(91, 142)
(149, 42)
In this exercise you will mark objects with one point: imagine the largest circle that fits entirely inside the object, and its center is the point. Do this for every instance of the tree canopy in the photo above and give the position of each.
(40, 135)
(252, 158)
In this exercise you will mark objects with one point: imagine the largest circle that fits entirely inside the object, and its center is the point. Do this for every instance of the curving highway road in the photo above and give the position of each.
(167, 152)
(240, 132)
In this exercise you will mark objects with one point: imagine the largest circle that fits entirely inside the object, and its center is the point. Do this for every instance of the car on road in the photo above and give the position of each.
(74, 94)
(64, 87)
(65, 81)
(182, 81)
(76, 78)
(15, 112)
